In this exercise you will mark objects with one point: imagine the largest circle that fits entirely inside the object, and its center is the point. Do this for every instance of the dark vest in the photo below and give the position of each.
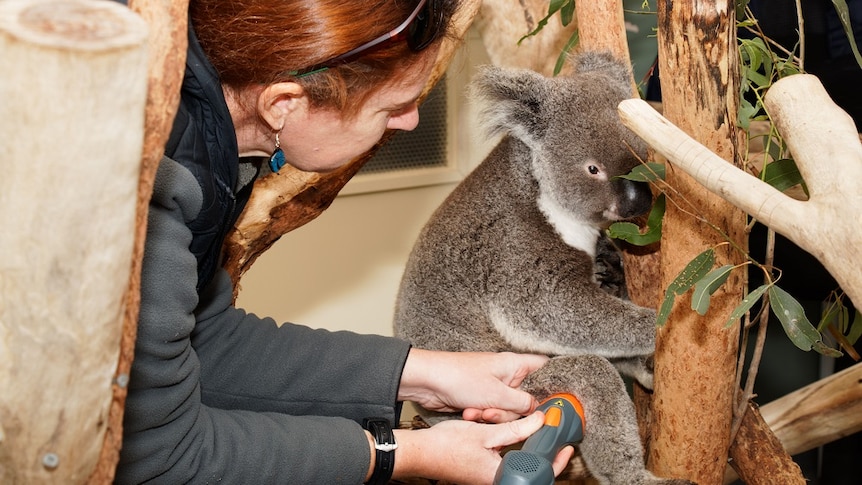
(204, 141)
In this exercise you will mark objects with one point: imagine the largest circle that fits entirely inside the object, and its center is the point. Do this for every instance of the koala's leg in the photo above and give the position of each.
(640, 368)
(611, 447)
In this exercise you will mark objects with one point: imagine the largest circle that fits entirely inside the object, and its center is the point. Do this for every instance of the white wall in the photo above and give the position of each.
(342, 270)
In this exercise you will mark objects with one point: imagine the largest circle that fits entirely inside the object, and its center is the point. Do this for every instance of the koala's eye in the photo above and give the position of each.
(593, 169)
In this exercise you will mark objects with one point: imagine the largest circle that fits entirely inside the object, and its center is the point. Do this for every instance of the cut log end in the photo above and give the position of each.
(79, 25)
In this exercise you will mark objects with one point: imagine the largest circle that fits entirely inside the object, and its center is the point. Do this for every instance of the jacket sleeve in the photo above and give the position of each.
(235, 427)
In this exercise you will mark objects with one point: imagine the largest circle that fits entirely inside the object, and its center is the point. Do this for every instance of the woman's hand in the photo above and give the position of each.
(482, 384)
(463, 451)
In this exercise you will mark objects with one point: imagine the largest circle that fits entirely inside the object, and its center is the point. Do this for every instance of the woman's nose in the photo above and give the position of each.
(406, 120)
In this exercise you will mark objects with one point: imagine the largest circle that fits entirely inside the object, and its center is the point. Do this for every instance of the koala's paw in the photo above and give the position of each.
(608, 269)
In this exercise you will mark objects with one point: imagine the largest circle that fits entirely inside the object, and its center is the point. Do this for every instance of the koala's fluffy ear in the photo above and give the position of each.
(605, 64)
(510, 101)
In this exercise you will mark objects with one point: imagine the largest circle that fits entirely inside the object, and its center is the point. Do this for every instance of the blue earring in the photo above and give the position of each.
(276, 161)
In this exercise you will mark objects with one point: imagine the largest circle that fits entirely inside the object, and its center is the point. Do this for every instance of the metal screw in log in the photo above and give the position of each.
(826, 147)
(73, 93)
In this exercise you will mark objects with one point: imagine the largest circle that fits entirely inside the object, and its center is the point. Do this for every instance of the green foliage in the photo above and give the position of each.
(631, 233)
(646, 172)
(759, 68)
(783, 174)
(706, 280)
(693, 272)
(747, 302)
(706, 286)
(796, 325)
(844, 16)
(566, 9)
(836, 320)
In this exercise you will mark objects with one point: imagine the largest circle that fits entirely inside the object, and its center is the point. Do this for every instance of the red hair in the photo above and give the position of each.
(259, 42)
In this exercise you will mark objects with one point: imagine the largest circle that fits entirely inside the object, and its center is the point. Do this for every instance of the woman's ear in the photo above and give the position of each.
(278, 101)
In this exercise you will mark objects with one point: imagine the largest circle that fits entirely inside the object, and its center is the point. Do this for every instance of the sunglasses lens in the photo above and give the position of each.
(424, 28)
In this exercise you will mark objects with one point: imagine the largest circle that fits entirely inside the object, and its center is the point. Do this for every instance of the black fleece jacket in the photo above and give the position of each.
(218, 395)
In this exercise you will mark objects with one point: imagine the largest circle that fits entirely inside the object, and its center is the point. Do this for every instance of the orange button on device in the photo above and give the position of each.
(552, 416)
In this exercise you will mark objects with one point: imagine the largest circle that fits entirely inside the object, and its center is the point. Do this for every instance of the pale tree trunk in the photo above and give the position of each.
(696, 356)
(73, 93)
(166, 50)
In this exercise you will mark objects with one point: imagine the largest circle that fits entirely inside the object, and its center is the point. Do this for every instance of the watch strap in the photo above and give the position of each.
(385, 446)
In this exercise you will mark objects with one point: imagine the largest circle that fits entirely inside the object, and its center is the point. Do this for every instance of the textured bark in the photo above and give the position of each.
(286, 200)
(167, 25)
(758, 456)
(74, 92)
(819, 413)
(696, 356)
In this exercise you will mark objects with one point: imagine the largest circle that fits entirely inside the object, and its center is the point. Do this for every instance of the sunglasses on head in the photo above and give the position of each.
(420, 29)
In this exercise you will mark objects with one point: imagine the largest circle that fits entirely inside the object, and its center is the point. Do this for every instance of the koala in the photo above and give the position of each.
(515, 258)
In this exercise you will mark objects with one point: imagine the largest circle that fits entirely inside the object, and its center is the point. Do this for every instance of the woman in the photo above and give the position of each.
(220, 395)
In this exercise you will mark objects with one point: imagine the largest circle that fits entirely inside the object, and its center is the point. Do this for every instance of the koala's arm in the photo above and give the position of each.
(556, 308)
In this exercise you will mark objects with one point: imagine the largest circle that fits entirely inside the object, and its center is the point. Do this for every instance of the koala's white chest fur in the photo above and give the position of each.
(574, 232)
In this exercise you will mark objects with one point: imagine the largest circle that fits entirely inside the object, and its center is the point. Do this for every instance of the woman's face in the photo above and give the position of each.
(323, 141)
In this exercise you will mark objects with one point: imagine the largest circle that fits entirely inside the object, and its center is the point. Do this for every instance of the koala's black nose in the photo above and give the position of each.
(636, 198)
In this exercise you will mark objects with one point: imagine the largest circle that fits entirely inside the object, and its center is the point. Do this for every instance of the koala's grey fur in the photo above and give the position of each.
(509, 261)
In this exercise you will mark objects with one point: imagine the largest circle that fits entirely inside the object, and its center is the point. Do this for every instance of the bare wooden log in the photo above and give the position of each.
(73, 90)
(167, 26)
(826, 147)
(290, 198)
(819, 413)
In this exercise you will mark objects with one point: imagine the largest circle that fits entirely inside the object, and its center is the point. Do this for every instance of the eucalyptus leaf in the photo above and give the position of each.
(561, 59)
(826, 350)
(746, 113)
(740, 8)
(554, 7)
(855, 329)
(696, 269)
(645, 172)
(844, 16)
(626, 231)
(747, 302)
(782, 174)
(844, 319)
(631, 233)
(567, 12)
(793, 319)
(831, 313)
(756, 78)
(665, 308)
(706, 286)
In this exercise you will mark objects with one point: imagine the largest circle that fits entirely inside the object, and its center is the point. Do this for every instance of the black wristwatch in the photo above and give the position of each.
(384, 443)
